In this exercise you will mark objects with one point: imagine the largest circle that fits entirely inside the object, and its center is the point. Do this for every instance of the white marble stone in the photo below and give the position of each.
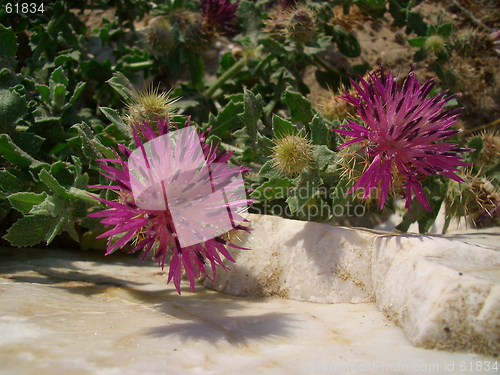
(70, 312)
(443, 292)
(300, 260)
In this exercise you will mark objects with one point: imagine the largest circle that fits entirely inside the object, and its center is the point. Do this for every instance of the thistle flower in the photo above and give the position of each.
(219, 15)
(175, 196)
(403, 134)
(292, 154)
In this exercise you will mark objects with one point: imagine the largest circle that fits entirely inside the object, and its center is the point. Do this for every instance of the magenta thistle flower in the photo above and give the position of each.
(177, 196)
(220, 14)
(403, 135)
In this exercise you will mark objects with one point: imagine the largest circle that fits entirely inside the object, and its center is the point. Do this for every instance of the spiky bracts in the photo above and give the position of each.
(175, 196)
(219, 15)
(403, 132)
(292, 154)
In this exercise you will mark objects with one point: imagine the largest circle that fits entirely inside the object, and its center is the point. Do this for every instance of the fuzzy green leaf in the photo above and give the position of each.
(13, 108)
(8, 47)
(58, 77)
(30, 230)
(116, 119)
(24, 201)
(282, 127)
(227, 120)
(275, 188)
(347, 43)
(253, 112)
(416, 23)
(265, 145)
(10, 151)
(319, 131)
(78, 90)
(445, 30)
(268, 170)
(51, 182)
(306, 187)
(300, 107)
(8, 183)
(417, 42)
(322, 156)
(122, 86)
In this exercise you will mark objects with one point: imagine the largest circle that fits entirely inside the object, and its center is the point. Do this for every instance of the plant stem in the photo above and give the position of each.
(137, 66)
(223, 78)
(482, 127)
(324, 65)
(229, 73)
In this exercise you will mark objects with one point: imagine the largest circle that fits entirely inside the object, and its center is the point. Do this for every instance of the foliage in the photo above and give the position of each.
(66, 92)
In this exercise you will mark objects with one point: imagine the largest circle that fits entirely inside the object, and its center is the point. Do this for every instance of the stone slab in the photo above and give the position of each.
(82, 313)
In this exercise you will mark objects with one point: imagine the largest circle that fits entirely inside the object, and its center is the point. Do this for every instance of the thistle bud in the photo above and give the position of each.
(435, 44)
(292, 154)
(159, 35)
(149, 105)
(301, 24)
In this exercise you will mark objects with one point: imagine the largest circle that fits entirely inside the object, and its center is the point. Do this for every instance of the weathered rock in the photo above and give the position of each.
(300, 260)
(444, 293)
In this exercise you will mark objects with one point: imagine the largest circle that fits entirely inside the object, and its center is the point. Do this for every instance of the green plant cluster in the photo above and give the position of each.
(65, 91)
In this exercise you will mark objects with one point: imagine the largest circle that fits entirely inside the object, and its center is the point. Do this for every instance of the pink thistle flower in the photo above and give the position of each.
(175, 195)
(220, 13)
(403, 133)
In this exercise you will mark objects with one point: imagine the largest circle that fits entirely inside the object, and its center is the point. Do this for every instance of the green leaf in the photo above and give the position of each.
(44, 92)
(300, 107)
(265, 145)
(58, 95)
(227, 120)
(30, 230)
(420, 55)
(25, 201)
(269, 171)
(417, 42)
(58, 77)
(276, 188)
(51, 182)
(347, 43)
(10, 151)
(282, 127)
(249, 18)
(477, 144)
(13, 108)
(123, 87)
(116, 119)
(274, 47)
(253, 111)
(8, 183)
(319, 131)
(416, 23)
(78, 90)
(445, 30)
(322, 156)
(306, 187)
(8, 48)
